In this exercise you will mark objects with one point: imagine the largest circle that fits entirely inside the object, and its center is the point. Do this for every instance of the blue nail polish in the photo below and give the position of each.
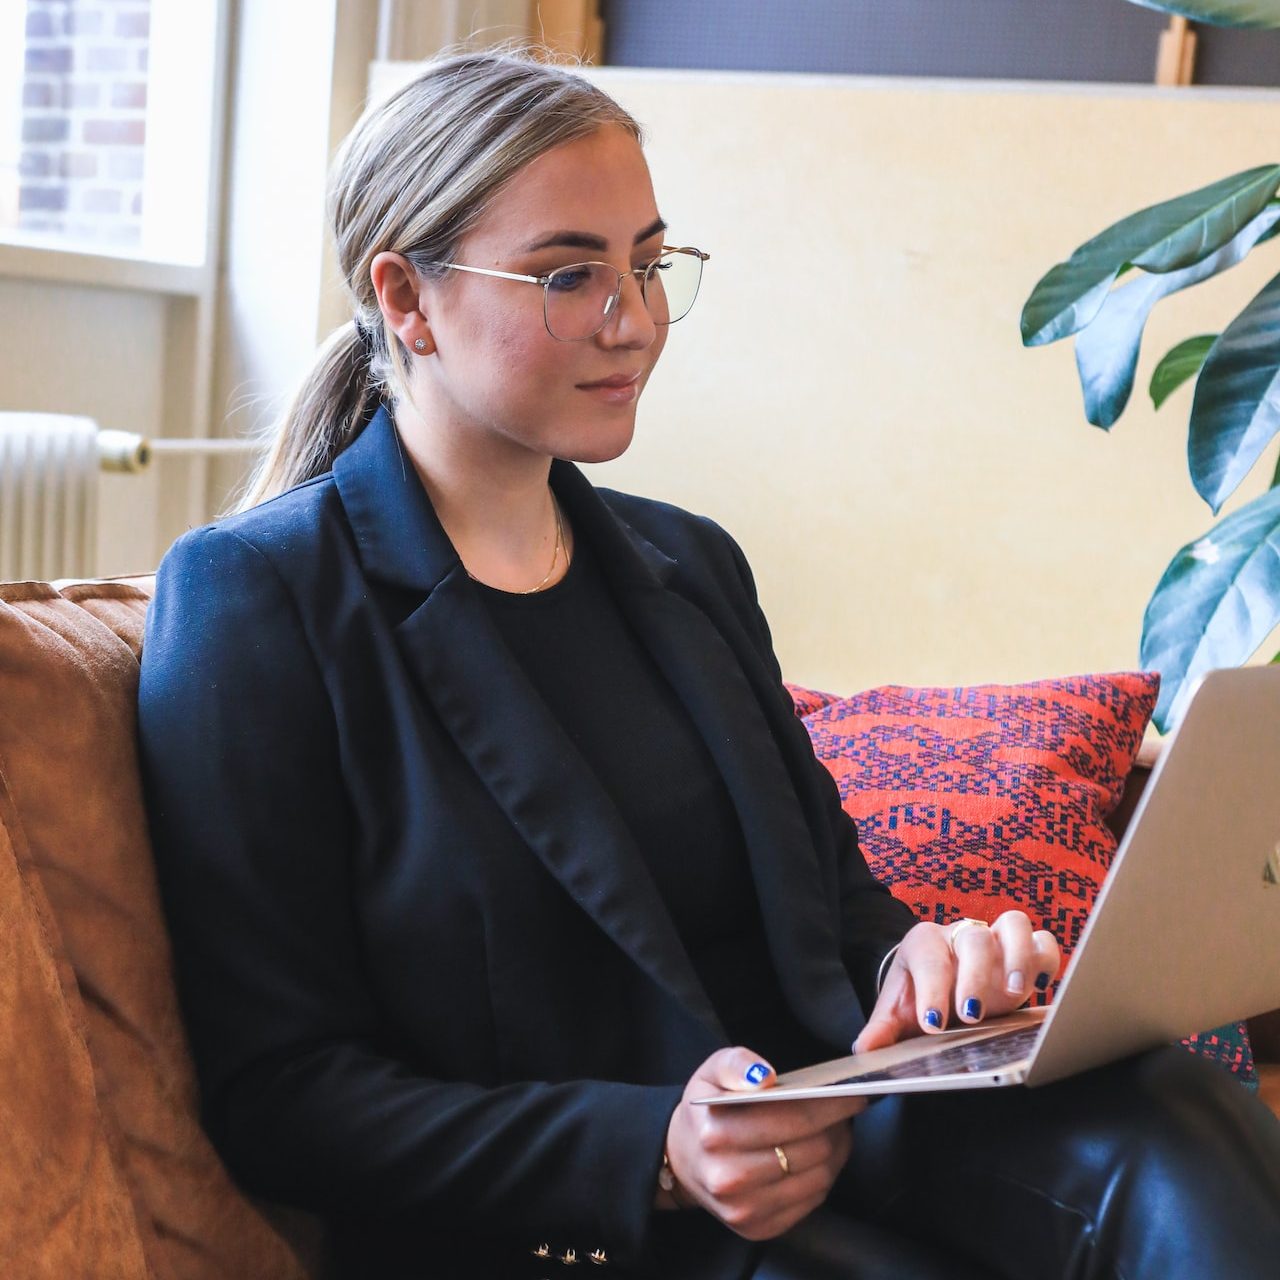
(973, 1007)
(932, 1018)
(757, 1073)
(1043, 980)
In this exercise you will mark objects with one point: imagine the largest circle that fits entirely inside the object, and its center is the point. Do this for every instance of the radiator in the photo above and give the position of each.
(49, 468)
(48, 496)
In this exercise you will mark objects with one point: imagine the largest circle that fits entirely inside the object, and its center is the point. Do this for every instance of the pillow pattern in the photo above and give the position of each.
(973, 801)
(807, 701)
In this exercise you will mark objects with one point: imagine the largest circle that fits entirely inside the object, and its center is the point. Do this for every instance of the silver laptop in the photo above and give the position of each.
(1185, 934)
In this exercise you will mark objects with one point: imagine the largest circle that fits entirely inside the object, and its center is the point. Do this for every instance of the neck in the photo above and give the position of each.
(495, 505)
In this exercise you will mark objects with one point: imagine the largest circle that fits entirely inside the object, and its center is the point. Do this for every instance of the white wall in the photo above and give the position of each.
(98, 352)
(920, 497)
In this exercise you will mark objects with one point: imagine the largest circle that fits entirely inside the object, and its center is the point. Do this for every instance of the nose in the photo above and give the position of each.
(629, 323)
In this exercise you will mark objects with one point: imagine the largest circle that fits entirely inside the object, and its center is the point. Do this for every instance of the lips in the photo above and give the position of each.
(615, 381)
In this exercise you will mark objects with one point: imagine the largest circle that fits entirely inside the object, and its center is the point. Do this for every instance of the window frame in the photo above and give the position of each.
(153, 266)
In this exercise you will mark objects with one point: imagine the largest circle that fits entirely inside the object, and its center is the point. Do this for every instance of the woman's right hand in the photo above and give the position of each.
(726, 1158)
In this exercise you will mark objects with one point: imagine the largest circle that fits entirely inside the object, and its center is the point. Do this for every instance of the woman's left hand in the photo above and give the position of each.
(961, 972)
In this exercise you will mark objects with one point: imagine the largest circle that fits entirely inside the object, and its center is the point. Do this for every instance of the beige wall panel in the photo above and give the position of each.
(96, 352)
(920, 497)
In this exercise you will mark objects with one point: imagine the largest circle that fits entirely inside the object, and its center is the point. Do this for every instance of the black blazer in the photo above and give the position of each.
(431, 989)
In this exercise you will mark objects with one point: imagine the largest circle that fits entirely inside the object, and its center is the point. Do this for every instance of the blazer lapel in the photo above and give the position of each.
(711, 680)
(527, 762)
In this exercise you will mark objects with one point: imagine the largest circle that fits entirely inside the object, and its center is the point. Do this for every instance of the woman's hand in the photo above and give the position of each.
(962, 971)
(762, 1168)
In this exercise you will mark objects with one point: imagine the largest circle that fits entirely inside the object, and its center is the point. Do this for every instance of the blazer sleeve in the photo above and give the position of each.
(872, 920)
(302, 1087)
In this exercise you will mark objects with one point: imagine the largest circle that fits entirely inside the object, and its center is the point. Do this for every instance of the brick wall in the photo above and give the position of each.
(84, 123)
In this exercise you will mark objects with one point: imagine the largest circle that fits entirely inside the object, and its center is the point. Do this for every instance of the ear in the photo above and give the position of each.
(398, 288)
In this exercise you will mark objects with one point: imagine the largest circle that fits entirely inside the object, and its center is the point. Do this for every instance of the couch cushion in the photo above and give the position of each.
(972, 801)
(67, 1210)
(68, 689)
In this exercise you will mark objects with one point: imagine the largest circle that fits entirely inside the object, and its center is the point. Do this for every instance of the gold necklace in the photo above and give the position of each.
(555, 556)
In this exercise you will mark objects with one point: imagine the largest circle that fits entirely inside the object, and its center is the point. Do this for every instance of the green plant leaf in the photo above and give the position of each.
(1107, 348)
(1222, 13)
(1164, 237)
(1179, 364)
(1217, 602)
(1271, 235)
(1236, 409)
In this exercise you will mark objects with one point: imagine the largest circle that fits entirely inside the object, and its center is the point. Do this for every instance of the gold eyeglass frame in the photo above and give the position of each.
(545, 280)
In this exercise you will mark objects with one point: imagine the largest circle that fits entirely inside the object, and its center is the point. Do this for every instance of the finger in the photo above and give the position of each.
(826, 1150)
(786, 1123)
(762, 1167)
(764, 1214)
(739, 1131)
(736, 1069)
(787, 1203)
(1018, 959)
(932, 966)
(783, 1187)
(977, 960)
(894, 1016)
(1048, 958)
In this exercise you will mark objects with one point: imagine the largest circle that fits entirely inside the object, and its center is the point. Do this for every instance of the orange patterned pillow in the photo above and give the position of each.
(971, 801)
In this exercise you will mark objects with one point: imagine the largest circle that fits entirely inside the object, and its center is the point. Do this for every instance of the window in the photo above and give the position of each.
(106, 125)
(11, 51)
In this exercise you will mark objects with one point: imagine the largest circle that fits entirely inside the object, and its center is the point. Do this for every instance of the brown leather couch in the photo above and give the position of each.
(106, 1171)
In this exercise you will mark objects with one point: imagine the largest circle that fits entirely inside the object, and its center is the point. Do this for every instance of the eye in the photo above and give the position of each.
(569, 279)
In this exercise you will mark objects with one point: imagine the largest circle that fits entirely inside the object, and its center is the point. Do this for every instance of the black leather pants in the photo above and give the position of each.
(1160, 1167)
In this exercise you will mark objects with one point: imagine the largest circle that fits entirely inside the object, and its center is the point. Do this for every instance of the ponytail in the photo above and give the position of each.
(331, 407)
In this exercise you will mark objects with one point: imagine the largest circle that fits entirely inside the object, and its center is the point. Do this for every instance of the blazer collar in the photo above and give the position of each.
(398, 538)
(401, 542)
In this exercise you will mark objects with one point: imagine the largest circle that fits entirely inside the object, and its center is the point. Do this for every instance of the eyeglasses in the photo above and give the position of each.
(578, 300)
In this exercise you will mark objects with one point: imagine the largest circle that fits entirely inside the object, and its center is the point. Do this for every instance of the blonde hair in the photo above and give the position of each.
(413, 177)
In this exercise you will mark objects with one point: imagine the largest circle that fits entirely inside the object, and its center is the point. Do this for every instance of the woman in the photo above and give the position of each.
(486, 830)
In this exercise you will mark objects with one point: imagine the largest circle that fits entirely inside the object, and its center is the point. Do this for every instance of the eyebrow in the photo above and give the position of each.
(585, 240)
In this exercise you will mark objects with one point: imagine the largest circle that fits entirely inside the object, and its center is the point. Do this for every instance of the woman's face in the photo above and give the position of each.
(496, 379)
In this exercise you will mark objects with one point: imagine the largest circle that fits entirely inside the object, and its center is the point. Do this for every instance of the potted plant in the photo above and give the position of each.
(1219, 598)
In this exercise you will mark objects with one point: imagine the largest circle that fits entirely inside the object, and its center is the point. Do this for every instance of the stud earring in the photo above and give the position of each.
(419, 344)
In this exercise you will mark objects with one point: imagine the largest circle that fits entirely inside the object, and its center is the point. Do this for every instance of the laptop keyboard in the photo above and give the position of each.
(960, 1059)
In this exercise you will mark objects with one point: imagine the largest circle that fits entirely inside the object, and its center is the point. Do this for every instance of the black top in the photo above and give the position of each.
(605, 690)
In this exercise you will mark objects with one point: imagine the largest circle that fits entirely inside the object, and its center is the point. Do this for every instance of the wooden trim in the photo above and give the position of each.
(571, 27)
(1176, 55)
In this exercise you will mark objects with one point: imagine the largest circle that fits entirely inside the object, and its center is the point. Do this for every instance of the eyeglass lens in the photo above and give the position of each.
(579, 298)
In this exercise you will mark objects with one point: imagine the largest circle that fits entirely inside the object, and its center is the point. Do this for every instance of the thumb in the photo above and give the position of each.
(736, 1069)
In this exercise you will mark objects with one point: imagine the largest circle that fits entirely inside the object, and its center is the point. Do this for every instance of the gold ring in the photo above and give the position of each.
(782, 1159)
(967, 923)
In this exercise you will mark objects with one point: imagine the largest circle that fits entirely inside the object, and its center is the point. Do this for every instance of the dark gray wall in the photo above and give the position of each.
(1104, 40)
